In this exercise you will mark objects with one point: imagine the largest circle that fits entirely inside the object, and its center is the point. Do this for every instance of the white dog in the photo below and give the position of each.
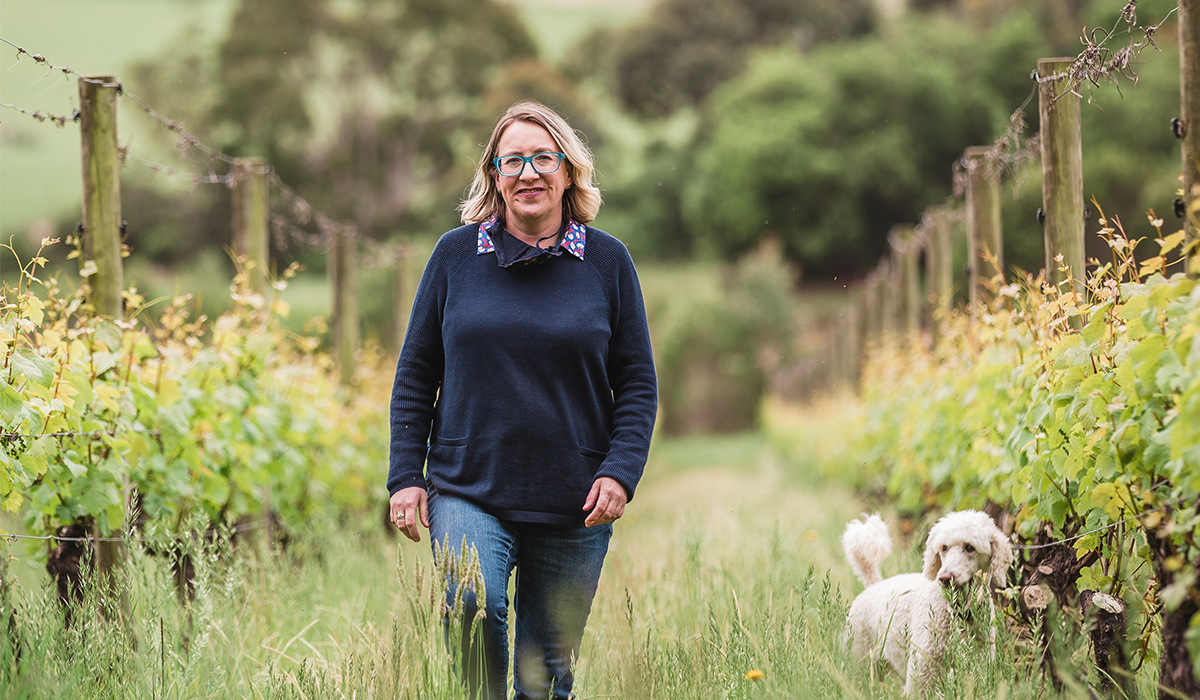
(906, 618)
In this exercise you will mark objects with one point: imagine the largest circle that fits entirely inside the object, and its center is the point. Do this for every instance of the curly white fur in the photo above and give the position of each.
(905, 618)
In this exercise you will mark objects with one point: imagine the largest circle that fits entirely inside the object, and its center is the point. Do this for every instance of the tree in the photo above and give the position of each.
(689, 47)
(827, 150)
(372, 109)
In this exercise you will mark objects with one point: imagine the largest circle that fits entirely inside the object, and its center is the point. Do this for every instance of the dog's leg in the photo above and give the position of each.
(913, 672)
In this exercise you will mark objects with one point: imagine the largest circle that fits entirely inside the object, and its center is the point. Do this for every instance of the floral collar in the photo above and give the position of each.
(574, 239)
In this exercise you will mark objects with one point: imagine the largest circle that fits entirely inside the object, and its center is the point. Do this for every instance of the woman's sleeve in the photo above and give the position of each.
(418, 378)
(634, 385)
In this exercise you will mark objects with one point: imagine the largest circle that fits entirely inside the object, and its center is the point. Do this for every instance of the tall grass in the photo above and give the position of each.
(724, 580)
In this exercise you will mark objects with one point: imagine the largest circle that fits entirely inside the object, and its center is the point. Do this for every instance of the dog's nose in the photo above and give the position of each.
(945, 578)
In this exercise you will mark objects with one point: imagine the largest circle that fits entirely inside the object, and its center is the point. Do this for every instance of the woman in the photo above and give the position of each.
(526, 389)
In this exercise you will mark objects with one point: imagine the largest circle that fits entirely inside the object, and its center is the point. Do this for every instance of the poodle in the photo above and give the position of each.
(906, 618)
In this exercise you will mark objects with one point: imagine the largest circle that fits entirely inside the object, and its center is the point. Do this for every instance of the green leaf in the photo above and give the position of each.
(1173, 595)
(10, 403)
(77, 469)
(108, 333)
(36, 458)
(1078, 356)
(13, 502)
(31, 366)
(1097, 328)
(99, 496)
(103, 361)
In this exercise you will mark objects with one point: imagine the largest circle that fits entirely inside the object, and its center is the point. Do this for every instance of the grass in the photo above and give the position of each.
(724, 579)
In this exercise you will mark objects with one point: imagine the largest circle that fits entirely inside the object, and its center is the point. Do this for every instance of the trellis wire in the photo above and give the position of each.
(255, 525)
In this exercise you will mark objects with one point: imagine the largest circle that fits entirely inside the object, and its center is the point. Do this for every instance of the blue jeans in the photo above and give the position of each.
(558, 569)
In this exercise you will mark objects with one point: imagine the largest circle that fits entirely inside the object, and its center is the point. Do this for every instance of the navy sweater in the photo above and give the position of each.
(518, 387)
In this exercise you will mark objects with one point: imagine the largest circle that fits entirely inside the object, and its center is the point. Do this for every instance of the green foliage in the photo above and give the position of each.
(644, 211)
(689, 47)
(715, 345)
(374, 110)
(1093, 433)
(827, 150)
(181, 419)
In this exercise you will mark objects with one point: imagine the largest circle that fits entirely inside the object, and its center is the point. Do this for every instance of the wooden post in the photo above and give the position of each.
(1189, 112)
(1062, 173)
(854, 337)
(908, 286)
(402, 294)
(344, 282)
(871, 310)
(836, 367)
(912, 282)
(985, 239)
(101, 192)
(889, 293)
(941, 268)
(251, 213)
(102, 251)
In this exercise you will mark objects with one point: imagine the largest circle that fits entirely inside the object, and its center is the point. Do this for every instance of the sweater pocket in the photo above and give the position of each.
(592, 454)
(452, 441)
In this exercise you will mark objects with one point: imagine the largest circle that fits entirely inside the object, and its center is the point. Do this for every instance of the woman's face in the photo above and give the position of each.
(533, 199)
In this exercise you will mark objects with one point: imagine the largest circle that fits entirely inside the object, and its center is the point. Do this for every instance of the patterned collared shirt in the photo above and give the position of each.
(574, 239)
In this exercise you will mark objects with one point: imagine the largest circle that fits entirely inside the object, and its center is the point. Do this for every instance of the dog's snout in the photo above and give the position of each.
(945, 578)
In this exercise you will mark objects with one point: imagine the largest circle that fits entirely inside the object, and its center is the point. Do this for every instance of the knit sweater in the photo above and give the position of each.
(517, 387)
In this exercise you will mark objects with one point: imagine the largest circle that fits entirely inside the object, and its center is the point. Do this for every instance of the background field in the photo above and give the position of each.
(39, 175)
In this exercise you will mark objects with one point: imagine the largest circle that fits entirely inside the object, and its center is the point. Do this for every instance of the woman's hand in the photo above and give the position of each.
(406, 506)
(606, 500)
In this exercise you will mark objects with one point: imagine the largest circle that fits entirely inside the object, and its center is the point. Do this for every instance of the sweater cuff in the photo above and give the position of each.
(405, 482)
(622, 477)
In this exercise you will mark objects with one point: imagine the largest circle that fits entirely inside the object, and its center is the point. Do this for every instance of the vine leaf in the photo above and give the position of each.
(31, 366)
(10, 403)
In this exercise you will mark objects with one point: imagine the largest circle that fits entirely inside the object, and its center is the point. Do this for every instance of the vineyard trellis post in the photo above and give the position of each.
(940, 267)
(871, 307)
(854, 337)
(251, 213)
(1188, 128)
(344, 283)
(102, 246)
(985, 238)
(890, 291)
(1062, 172)
(101, 192)
(908, 249)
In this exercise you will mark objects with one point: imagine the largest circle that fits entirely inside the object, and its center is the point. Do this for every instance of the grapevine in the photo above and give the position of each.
(121, 423)
(1087, 439)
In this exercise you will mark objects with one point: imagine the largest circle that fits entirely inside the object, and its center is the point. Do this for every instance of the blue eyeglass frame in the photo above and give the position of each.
(529, 161)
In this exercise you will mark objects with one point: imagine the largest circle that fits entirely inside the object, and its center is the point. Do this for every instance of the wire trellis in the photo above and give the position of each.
(131, 537)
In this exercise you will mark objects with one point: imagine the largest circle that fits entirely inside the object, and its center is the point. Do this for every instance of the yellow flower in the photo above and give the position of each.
(754, 674)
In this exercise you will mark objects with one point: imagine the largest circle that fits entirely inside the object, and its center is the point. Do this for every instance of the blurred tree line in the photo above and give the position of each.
(834, 129)
(718, 124)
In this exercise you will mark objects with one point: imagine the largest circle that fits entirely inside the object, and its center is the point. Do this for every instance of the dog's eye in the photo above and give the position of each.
(969, 549)
(944, 548)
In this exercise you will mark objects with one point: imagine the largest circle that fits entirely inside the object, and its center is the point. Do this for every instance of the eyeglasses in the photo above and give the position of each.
(543, 164)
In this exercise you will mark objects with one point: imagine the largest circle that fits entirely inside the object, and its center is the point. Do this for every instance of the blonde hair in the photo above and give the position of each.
(582, 199)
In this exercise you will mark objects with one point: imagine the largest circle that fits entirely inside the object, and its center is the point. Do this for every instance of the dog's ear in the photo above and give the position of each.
(933, 556)
(1002, 558)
